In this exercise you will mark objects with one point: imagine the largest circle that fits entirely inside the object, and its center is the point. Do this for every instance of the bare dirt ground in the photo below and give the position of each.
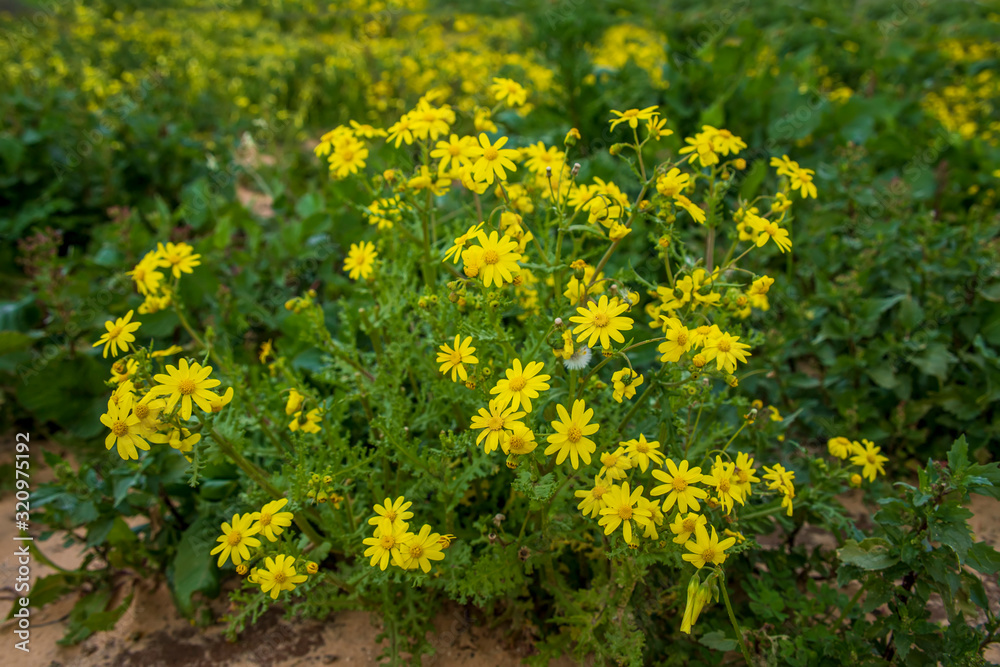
(153, 634)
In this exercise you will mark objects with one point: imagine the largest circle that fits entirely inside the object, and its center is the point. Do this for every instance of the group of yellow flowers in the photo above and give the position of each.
(863, 454)
(393, 542)
(238, 538)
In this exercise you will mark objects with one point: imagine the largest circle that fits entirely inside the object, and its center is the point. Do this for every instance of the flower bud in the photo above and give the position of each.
(242, 569)
(558, 322)
(312, 568)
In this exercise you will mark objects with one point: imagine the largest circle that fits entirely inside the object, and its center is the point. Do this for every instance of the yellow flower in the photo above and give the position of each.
(294, 403)
(693, 210)
(672, 183)
(237, 539)
(743, 473)
(769, 230)
(456, 151)
(518, 440)
(601, 321)
(760, 286)
(869, 458)
(492, 159)
(493, 422)
(180, 439)
(454, 358)
(702, 147)
(455, 251)
(839, 447)
(592, 500)
(509, 90)
(222, 401)
(621, 510)
(684, 527)
(615, 465)
(678, 340)
(360, 260)
(391, 514)
(308, 423)
(125, 429)
(726, 487)
(499, 258)
(570, 436)
(347, 157)
(173, 349)
(679, 483)
(419, 550)
(707, 550)
(641, 452)
(186, 383)
(147, 278)
(632, 116)
(265, 350)
(179, 258)
(625, 381)
(278, 575)
(521, 385)
(385, 544)
(270, 521)
(401, 131)
(726, 350)
(118, 335)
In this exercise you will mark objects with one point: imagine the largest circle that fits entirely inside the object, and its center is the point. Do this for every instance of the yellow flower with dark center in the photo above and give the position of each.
(237, 539)
(360, 260)
(491, 160)
(492, 424)
(118, 335)
(453, 359)
(570, 437)
(271, 522)
(498, 259)
(707, 550)
(186, 383)
(601, 321)
(521, 384)
(278, 574)
(622, 509)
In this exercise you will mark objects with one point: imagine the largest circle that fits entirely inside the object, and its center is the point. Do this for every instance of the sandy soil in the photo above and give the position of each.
(153, 634)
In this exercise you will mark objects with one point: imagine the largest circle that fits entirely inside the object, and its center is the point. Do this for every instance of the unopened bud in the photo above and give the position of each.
(576, 169)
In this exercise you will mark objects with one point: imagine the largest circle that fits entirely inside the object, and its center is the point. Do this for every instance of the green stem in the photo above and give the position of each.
(732, 618)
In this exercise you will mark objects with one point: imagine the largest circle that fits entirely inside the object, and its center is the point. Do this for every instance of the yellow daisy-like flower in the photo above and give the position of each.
(615, 465)
(147, 278)
(672, 183)
(641, 452)
(521, 384)
(632, 116)
(570, 434)
(622, 508)
(839, 447)
(237, 539)
(509, 90)
(693, 209)
(601, 321)
(360, 260)
(769, 230)
(179, 258)
(118, 335)
(801, 179)
(308, 422)
(722, 481)
(592, 500)
(453, 359)
(455, 251)
(180, 439)
(655, 518)
(391, 514)
(271, 522)
(684, 527)
(518, 440)
(678, 340)
(147, 411)
(726, 350)
(348, 157)
(125, 430)
(743, 473)
(222, 401)
(869, 459)
(707, 550)
(625, 381)
(492, 424)
(679, 485)
(278, 575)
(499, 257)
(186, 383)
(385, 544)
(492, 159)
(455, 151)
(418, 550)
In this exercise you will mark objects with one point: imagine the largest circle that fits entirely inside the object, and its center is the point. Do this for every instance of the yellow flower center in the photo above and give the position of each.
(387, 542)
(689, 525)
(416, 551)
(187, 386)
(625, 512)
(771, 229)
(599, 491)
(115, 332)
(609, 460)
(679, 483)
(456, 357)
(642, 447)
(516, 443)
(724, 345)
(601, 320)
(234, 538)
(491, 154)
(870, 457)
(265, 519)
(346, 154)
(279, 577)
(708, 555)
(455, 150)
(724, 485)
(682, 338)
(491, 257)
(495, 423)
(574, 434)
(119, 428)
(742, 475)
(517, 384)
(391, 515)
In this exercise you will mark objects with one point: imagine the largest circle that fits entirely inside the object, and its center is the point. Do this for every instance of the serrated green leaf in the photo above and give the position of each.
(870, 554)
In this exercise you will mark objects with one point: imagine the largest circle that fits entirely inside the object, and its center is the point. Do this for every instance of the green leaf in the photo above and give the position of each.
(85, 607)
(935, 360)
(106, 620)
(982, 557)
(194, 569)
(718, 641)
(13, 341)
(870, 554)
(958, 456)
(753, 180)
(949, 526)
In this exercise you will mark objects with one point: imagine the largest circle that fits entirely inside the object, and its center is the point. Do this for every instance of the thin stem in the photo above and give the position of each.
(732, 618)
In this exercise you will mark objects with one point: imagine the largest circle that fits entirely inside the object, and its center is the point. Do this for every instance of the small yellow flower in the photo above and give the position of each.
(237, 539)
(279, 575)
(360, 260)
(625, 381)
(118, 335)
(271, 522)
(453, 359)
(632, 116)
(601, 321)
(707, 550)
